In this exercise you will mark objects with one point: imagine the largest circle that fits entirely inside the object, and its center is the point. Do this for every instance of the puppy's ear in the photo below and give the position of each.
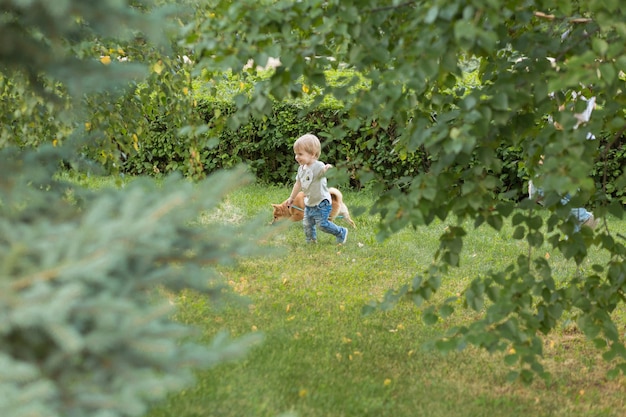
(275, 205)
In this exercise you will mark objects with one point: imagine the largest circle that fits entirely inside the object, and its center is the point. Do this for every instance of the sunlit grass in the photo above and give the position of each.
(322, 357)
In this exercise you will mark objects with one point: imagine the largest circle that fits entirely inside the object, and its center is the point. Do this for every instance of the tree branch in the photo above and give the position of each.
(542, 15)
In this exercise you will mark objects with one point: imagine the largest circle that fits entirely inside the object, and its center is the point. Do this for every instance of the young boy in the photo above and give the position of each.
(311, 179)
(580, 214)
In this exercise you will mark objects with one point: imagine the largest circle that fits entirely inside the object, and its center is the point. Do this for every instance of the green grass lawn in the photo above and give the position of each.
(322, 357)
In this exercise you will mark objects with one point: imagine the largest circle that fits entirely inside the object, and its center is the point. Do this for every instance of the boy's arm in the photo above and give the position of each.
(294, 192)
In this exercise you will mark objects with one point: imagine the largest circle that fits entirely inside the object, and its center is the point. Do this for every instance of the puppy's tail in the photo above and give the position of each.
(335, 194)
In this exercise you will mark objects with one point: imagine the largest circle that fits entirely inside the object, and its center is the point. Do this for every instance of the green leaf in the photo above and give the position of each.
(446, 345)
(495, 221)
(465, 33)
(608, 73)
(511, 359)
(519, 233)
(446, 310)
(535, 239)
(500, 101)
(429, 317)
(600, 46)
(431, 15)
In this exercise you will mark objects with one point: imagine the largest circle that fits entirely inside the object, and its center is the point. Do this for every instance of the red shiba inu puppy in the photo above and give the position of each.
(295, 213)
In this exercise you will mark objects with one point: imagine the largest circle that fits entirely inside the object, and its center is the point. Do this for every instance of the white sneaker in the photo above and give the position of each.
(591, 222)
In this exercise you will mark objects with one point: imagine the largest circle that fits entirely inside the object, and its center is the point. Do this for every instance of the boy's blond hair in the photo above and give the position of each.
(309, 143)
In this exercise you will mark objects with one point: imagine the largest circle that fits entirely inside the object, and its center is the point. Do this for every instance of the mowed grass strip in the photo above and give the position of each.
(322, 357)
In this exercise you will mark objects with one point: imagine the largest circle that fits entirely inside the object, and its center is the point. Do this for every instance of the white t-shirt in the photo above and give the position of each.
(313, 181)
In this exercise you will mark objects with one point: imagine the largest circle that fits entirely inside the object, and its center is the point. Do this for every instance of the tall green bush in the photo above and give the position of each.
(265, 145)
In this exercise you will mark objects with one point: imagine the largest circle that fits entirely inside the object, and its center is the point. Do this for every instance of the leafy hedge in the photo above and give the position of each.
(266, 145)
